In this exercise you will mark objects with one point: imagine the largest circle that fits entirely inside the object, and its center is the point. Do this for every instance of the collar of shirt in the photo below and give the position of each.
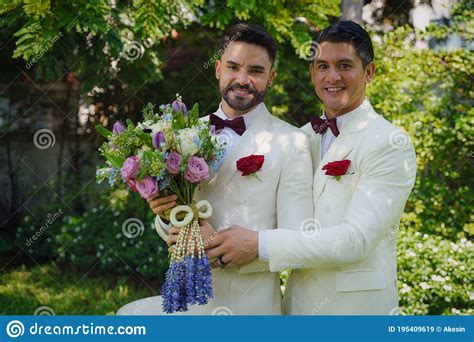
(248, 117)
(343, 119)
(328, 137)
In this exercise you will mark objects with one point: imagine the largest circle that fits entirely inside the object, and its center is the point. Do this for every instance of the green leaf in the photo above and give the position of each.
(114, 160)
(103, 131)
(130, 124)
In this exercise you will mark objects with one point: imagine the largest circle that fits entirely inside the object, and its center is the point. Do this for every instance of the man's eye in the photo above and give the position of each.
(256, 71)
(322, 66)
(232, 67)
(345, 66)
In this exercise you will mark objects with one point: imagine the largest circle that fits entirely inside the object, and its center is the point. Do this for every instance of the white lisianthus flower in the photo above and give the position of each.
(144, 125)
(160, 126)
(188, 142)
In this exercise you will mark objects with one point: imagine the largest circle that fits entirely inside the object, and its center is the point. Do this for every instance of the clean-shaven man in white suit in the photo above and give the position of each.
(345, 263)
(280, 196)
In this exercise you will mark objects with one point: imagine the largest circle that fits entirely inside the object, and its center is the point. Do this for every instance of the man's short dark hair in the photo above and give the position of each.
(251, 34)
(347, 31)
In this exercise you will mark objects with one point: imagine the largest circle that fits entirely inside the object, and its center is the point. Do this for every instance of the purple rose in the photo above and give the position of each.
(173, 163)
(118, 128)
(147, 187)
(130, 168)
(197, 170)
(179, 106)
(157, 139)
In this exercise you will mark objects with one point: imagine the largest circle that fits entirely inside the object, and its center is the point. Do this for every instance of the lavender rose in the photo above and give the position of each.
(173, 163)
(118, 128)
(130, 168)
(197, 170)
(147, 187)
(157, 139)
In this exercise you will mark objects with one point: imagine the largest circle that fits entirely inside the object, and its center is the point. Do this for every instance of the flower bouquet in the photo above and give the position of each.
(173, 151)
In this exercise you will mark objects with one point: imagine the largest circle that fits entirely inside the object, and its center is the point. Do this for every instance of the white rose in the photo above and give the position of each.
(188, 141)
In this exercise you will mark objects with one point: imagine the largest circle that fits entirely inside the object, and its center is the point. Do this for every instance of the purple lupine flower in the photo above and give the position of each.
(179, 106)
(118, 128)
(157, 139)
(190, 279)
(203, 280)
(212, 129)
(174, 290)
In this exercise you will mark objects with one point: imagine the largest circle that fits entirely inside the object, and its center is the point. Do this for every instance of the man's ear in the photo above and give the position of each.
(369, 72)
(218, 64)
(311, 71)
(272, 76)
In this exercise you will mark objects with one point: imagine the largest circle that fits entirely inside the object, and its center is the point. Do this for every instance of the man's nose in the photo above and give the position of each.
(242, 78)
(334, 75)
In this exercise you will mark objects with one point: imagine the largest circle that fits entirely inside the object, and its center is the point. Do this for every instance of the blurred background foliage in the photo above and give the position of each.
(67, 66)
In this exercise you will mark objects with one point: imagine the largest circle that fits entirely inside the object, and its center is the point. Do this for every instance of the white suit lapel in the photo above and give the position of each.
(249, 143)
(343, 144)
(315, 143)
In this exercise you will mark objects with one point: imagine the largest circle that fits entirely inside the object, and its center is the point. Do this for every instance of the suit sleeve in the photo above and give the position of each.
(294, 197)
(387, 177)
(295, 189)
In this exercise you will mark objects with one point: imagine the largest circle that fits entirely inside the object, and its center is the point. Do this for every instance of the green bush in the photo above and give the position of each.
(98, 240)
(434, 274)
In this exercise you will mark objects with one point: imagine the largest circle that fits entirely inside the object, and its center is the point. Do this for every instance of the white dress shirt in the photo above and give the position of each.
(228, 134)
(326, 140)
(328, 136)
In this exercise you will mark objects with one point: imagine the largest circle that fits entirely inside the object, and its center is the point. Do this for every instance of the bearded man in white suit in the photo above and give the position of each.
(280, 195)
(345, 263)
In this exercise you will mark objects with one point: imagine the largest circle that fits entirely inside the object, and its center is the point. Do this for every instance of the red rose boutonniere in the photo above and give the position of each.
(337, 168)
(250, 165)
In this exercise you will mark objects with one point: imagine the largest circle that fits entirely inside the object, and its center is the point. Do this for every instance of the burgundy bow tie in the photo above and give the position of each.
(321, 125)
(237, 124)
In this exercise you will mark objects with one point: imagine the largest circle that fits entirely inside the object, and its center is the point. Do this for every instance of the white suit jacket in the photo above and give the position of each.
(349, 265)
(282, 198)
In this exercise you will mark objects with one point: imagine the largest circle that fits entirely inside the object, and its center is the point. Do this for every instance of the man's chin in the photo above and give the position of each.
(241, 105)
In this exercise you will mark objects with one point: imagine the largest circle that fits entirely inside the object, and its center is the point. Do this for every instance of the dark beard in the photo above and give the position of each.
(243, 105)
